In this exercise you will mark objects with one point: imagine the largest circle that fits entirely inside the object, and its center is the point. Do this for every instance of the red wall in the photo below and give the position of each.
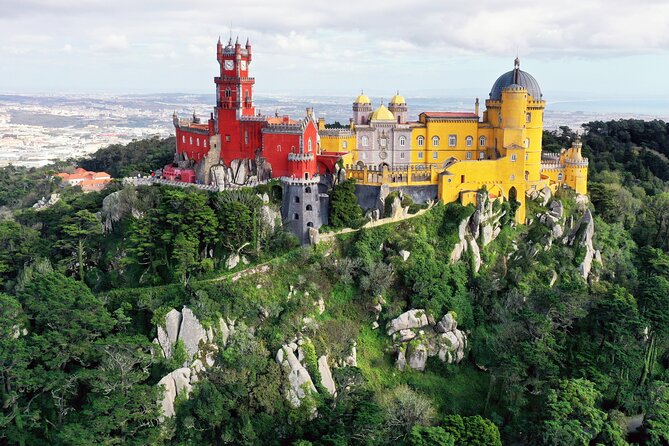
(276, 147)
(193, 151)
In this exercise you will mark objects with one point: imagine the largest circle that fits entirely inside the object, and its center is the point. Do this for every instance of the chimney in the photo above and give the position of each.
(476, 107)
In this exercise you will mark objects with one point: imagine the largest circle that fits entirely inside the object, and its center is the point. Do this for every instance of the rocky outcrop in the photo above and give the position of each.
(184, 326)
(176, 383)
(46, 203)
(120, 204)
(478, 230)
(404, 254)
(421, 338)
(299, 383)
(408, 320)
(326, 375)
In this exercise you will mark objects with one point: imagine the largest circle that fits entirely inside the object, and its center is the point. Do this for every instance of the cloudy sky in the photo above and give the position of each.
(575, 48)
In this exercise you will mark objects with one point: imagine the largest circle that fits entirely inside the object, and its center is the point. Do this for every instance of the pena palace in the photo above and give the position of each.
(446, 155)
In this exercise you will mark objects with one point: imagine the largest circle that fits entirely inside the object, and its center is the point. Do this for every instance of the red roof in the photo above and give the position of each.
(452, 115)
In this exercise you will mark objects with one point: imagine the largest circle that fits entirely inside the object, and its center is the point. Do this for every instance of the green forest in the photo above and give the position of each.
(559, 328)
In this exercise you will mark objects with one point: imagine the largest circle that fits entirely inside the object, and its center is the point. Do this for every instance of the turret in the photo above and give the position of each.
(362, 109)
(398, 106)
(248, 49)
(238, 46)
(219, 49)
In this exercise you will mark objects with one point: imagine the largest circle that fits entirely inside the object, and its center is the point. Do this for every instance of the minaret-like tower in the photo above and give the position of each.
(362, 109)
(398, 105)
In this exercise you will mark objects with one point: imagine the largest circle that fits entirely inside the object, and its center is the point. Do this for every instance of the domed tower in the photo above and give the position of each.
(515, 111)
(398, 106)
(362, 109)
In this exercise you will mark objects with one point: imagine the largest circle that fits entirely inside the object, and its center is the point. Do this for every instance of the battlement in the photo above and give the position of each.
(300, 157)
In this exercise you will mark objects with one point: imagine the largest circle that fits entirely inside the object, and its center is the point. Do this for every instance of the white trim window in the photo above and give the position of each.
(528, 117)
(420, 155)
(513, 157)
(452, 140)
(469, 141)
(344, 144)
(191, 140)
(183, 139)
(435, 141)
(309, 145)
(197, 142)
(482, 141)
(435, 155)
(469, 155)
(420, 141)
(560, 176)
(401, 155)
(365, 141)
(481, 155)
(403, 141)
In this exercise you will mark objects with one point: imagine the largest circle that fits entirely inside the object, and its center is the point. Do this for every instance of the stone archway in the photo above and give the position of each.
(513, 194)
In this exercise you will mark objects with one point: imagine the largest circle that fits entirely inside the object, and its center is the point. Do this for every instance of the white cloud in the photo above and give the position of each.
(111, 43)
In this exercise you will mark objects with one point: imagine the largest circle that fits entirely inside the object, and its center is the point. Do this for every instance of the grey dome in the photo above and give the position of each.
(516, 77)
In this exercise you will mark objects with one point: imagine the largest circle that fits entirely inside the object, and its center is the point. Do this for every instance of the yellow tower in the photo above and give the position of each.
(575, 167)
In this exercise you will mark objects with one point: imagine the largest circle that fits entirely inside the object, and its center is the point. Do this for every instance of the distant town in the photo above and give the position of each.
(38, 129)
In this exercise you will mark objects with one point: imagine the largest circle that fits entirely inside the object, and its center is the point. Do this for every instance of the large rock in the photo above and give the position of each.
(326, 375)
(299, 381)
(404, 254)
(446, 324)
(191, 332)
(476, 254)
(232, 261)
(417, 356)
(409, 319)
(176, 383)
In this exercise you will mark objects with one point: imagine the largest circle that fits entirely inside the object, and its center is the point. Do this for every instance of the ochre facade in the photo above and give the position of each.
(461, 153)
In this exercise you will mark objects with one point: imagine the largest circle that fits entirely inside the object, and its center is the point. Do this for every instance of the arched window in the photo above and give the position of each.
(420, 141)
(482, 141)
(344, 144)
(197, 142)
(309, 208)
(307, 190)
(469, 155)
(403, 141)
(183, 139)
(527, 142)
(204, 142)
(191, 140)
(513, 157)
(560, 177)
(452, 140)
(435, 141)
(228, 93)
(309, 145)
(528, 117)
(310, 225)
(296, 216)
(469, 141)
(365, 141)
(297, 199)
(306, 175)
(278, 148)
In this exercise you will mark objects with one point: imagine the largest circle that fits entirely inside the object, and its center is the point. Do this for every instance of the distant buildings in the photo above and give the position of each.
(88, 181)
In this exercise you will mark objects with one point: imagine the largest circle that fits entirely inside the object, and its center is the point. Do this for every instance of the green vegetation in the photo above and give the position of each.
(551, 359)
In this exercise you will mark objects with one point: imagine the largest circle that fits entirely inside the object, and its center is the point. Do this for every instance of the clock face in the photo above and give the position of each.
(229, 64)
(243, 65)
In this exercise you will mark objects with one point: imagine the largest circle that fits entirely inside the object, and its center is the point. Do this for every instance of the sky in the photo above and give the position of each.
(612, 49)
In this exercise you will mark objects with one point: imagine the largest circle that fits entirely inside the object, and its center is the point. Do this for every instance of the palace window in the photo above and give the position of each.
(364, 155)
(401, 155)
(482, 141)
(560, 177)
(452, 140)
(420, 155)
(513, 157)
(309, 145)
(307, 190)
(309, 208)
(183, 138)
(527, 142)
(365, 141)
(435, 155)
(204, 142)
(403, 141)
(527, 156)
(420, 141)
(246, 136)
(227, 138)
(481, 155)
(512, 178)
(297, 199)
(296, 216)
(528, 117)
(469, 155)
(344, 144)
(278, 148)
(197, 142)
(435, 141)
(469, 141)
(228, 93)
(191, 140)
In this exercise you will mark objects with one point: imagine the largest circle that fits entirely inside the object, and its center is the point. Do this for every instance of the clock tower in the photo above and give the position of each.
(234, 87)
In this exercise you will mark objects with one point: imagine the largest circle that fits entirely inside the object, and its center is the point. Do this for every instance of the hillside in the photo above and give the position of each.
(153, 315)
